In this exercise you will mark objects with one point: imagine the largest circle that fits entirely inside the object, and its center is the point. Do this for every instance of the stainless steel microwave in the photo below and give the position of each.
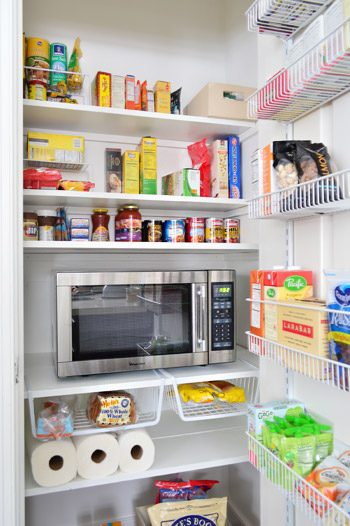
(122, 321)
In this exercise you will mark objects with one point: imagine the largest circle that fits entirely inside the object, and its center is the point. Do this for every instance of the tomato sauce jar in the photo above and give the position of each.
(100, 220)
(130, 224)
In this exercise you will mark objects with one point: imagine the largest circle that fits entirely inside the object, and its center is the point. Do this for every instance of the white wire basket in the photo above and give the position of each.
(319, 76)
(326, 194)
(148, 405)
(282, 18)
(318, 508)
(190, 411)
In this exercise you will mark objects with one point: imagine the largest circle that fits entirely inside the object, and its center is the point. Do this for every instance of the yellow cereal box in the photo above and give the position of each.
(131, 177)
(148, 165)
(162, 96)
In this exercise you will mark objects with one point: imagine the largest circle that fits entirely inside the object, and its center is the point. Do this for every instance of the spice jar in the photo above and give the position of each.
(30, 226)
(47, 222)
(100, 220)
(117, 224)
(130, 224)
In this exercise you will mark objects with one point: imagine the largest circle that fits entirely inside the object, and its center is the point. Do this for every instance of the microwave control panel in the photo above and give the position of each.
(222, 316)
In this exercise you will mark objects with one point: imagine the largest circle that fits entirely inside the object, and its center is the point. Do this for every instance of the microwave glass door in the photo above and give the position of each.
(124, 321)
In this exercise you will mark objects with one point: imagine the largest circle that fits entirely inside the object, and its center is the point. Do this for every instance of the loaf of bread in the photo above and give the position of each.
(111, 409)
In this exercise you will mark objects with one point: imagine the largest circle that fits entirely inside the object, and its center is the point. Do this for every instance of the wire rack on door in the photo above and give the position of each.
(190, 411)
(322, 370)
(319, 76)
(282, 18)
(317, 507)
(326, 194)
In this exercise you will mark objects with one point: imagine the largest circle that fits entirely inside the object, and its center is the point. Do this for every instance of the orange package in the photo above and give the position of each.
(129, 92)
(144, 100)
(138, 96)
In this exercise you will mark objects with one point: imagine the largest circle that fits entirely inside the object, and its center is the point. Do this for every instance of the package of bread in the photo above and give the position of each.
(208, 392)
(111, 409)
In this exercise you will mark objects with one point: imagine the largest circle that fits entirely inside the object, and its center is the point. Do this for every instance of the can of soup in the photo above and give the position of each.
(195, 230)
(231, 230)
(214, 230)
(38, 56)
(174, 231)
(152, 231)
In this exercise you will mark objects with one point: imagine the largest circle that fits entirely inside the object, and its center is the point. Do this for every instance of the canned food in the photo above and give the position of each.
(195, 229)
(37, 90)
(152, 231)
(174, 231)
(231, 230)
(38, 56)
(214, 232)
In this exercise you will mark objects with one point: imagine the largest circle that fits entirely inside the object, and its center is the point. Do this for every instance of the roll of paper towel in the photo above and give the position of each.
(136, 451)
(54, 462)
(98, 455)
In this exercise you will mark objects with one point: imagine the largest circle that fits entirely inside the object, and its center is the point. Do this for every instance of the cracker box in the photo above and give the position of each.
(307, 331)
(131, 175)
(219, 168)
(148, 165)
(234, 168)
(60, 148)
(183, 182)
(162, 96)
(118, 92)
(113, 164)
(101, 90)
(129, 92)
(282, 286)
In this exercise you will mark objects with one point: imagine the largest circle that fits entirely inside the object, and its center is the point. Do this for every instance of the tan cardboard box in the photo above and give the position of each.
(307, 331)
(220, 100)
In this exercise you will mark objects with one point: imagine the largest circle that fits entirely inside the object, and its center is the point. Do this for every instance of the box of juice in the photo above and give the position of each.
(148, 165)
(162, 96)
(219, 168)
(101, 90)
(131, 172)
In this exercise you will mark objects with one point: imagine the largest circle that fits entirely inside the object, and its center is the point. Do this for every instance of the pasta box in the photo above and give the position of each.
(224, 101)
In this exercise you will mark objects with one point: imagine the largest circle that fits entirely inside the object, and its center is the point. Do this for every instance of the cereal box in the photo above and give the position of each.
(118, 92)
(183, 182)
(131, 175)
(101, 90)
(162, 96)
(219, 168)
(234, 168)
(129, 92)
(148, 165)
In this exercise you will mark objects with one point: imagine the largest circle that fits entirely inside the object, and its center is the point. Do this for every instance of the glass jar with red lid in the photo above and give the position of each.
(117, 224)
(130, 224)
(100, 220)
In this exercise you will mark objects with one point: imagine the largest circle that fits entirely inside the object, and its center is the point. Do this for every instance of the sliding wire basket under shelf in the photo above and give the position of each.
(189, 411)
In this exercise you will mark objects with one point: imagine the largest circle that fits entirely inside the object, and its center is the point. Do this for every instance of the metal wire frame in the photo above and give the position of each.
(326, 194)
(316, 506)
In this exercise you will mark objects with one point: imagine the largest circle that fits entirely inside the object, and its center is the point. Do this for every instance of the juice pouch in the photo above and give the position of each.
(298, 451)
(272, 436)
(338, 299)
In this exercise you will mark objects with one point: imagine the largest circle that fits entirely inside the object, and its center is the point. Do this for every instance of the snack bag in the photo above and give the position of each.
(55, 420)
(338, 299)
(200, 158)
(80, 186)
(208, 392)
(170, 491)
(209, 512)
(75, 81)
(341, 452)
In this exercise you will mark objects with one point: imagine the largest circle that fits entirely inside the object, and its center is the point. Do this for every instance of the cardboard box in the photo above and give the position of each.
(183, 182)
(162, 96)
(257, 315)
(257, 413)
(59, 148)
(101, 90)
(224, 101)
(307, 331)
(256, 173)
(79, 229)
(131, 172)
(129, 92)
(118, 92)
(150, 100)
(234, 168)
(218, 151)
(148, 165)
(113, 168)
(282, 286)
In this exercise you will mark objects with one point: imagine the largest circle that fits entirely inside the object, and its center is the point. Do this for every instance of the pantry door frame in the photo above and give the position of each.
(11, 266)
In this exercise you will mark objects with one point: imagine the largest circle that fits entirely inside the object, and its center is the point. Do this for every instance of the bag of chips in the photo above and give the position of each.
(209, 512)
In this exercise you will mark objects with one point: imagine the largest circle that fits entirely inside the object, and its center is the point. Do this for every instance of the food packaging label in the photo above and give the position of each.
(101, 90)
(130, 92)
(60, 148)
(219, 169)
(118, 92)
(148, 165)
(162, 97)
(131, 177)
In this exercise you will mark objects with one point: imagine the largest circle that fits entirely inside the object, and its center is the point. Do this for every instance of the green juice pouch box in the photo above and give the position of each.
(257, 413)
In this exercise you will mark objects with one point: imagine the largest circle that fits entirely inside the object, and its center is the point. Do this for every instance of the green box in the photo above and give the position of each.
(184, 182)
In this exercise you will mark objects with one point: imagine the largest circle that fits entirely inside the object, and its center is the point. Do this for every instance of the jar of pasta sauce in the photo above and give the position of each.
(214, 230)
(100, 220)
(117, 224)
(231, 230)
(130, 224)
(195, 230)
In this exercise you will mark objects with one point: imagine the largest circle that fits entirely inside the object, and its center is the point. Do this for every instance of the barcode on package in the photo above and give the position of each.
(77, 143)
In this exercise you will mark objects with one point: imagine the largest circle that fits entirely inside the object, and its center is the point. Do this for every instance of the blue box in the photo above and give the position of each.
(234, 168)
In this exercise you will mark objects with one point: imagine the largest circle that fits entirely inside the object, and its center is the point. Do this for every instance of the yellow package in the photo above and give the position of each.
(75, 81)
(162, 97)
(207, 392)
(56, 148)
(131, 176)
(148, 165)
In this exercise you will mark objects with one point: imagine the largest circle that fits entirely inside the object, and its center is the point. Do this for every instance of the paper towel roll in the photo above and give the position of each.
(136, 451)
(98, 455)
(54, 462)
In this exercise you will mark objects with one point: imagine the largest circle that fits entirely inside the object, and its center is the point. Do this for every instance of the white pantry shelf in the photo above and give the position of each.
(95, 247)
(143, 201)
(112, 121)
(179, 448)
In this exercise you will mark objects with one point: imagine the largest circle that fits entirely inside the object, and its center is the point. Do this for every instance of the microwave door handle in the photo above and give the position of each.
(198, 319)
(203, 316)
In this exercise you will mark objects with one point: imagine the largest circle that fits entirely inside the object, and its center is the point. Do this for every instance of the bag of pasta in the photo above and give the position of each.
(75, 81)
